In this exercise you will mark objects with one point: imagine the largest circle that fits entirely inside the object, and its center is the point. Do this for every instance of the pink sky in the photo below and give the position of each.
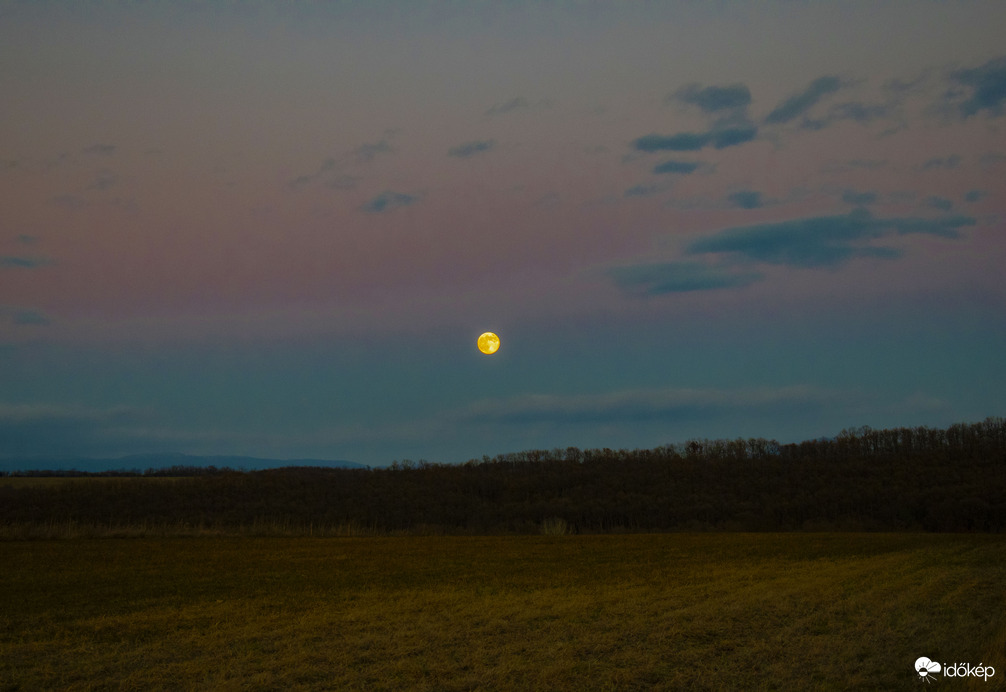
(335, 177)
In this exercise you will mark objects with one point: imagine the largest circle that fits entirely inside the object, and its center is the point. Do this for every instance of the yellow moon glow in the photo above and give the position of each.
(489, 343)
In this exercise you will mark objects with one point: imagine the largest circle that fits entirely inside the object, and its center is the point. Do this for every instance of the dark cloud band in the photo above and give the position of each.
(389, 201)
(713, 99)
(824, 241)
(468, 149)
(694, 141)
(800, 103)
(679, 277)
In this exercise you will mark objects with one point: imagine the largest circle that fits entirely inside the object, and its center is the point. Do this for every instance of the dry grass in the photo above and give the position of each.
(68, 530)
(629, 612)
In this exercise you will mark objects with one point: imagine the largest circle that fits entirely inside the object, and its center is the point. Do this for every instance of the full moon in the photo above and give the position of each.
(489, 343)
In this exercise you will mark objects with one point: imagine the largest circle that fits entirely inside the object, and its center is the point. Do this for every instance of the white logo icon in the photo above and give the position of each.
(926, 669)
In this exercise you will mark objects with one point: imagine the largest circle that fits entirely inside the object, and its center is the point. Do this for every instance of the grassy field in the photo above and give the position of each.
(611, 612)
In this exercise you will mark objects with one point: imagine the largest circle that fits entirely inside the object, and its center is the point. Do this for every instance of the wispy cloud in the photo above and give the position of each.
(513, 104)
(679, 277)
(389, 201)
(745, 199)
(854, 111)
(685, 141)
(941, 203)
(952, 161)
(367, 152)
(718, 138)
(68, 202)
(731, 136)
(23, 316)
(825, 241)
(333, 173)
(30, 317)
(14, 262)
(103, 181)
(642, 191)
(853, 164)
(100, 149)
(549, 200)
(328, 175)
(859, 112)
(984, 89)
(715, 99)
(672, 166)
(859, 199)
(799, 103)
(468, 149)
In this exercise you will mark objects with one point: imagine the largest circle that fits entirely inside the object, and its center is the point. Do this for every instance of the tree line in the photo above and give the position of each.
(901, 479)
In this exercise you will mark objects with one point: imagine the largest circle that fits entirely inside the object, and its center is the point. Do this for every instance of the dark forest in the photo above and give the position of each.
(902, 479)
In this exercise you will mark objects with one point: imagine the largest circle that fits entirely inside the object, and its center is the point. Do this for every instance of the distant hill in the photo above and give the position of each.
(142, 462)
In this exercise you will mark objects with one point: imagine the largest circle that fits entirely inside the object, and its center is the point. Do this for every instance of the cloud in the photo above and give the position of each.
(328, 175)
(867, 164)
(331, 173)
(949, 162)
(511, 105)
(366, 153)
(986, 86)
(68, 202)
(713, 99)
(463, 151)
(826, 241)
(673, 166)
(852, 165)
(388, 201)
(745, 199)
(718, 138)
(731, 136)
(859, 112)
(340, 182)
(941, 203)
(30, 317)
(642, 191)
(549, 200)
(686, 141)
(24, 316)
(900, 88)
(800, 103)
(640, 405)
(943, 226)
(100, 149)
(678, 277)
(974, 195)
(23, 262)
(859, 199)
(103, 181)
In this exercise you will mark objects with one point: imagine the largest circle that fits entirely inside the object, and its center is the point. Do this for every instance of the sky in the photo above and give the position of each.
(277, 229)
